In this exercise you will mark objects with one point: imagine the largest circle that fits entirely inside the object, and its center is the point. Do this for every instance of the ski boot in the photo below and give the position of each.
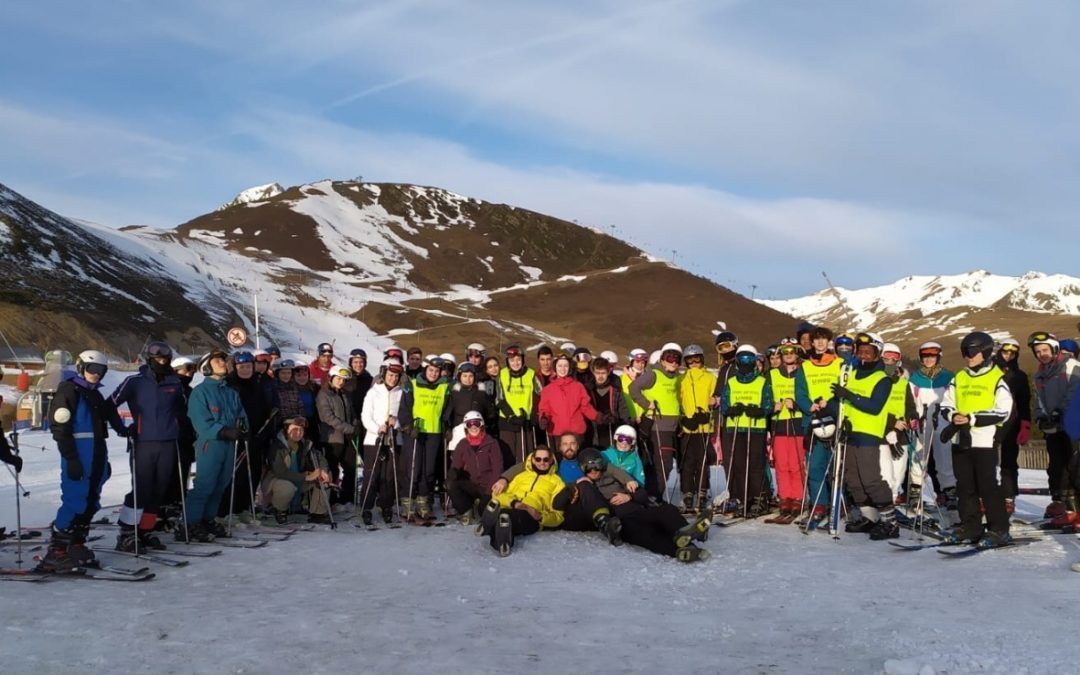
(687, 503)
(59, 559)
(128, 539)
(405, 508)
(818, 516)
(387, 514)
(472, 516)
(914, 497)
(995, 540)
(423, 509)
(280, 517)
(862, 525)
(193, 532)
(759, 507)
(698, 530)
(952, 501)
(488, 518)
(959, 537)
(148, 541)
(611, 527)
(502, 539)
(216, 528)
(319, 518)
(886, 528)
(691, 553)
(78, 547)
(365, 518)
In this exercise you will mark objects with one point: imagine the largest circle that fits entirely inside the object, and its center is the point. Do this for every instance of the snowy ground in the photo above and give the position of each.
(414, 600)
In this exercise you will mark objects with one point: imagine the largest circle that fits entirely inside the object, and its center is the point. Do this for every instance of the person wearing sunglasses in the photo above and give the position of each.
(696, 405)
(477, 463)
(976, 402)
(519, 392)
(928, 384)
(814, 398)
(382, 441)
(635, 518)
(788, 450)
(526, 505)
(864, 396)
(606, 396)
(157, 401)
(324, 361)
(421, 415)
(656, 391)
(475, 354)
(564, 404)
(1056, 380)
(745, 404)
(1017, 429)
(78, 415)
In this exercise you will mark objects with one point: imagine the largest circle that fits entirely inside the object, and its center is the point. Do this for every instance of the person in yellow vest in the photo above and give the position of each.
(636, 364)
(421, 420)
(901, 410)
(788, 453)
(976, 403)
(520, 391)
(656, 391)
(864, 396)
(696, 403)
(745, 403)
(813, 396)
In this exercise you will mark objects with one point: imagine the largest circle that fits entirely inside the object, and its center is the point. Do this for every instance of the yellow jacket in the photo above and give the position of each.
(695, 389)
(537, 490)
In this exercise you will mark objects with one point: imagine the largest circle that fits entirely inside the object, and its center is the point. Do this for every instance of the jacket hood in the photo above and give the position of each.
(552, 468)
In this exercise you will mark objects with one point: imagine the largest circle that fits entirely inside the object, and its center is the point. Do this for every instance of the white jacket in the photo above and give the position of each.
(380, 403)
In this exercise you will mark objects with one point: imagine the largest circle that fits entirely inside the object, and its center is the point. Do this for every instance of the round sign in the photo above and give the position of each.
(237, 337)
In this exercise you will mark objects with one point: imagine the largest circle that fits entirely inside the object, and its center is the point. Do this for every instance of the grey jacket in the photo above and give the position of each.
(1055, 383)
(337, 418)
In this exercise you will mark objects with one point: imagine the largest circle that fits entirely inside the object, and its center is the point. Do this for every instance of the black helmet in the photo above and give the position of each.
(590, 458)
(204, 362)
(727, 336)
(975, 343)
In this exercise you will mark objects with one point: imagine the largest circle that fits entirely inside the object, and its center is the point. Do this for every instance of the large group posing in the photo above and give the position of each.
(817, 426)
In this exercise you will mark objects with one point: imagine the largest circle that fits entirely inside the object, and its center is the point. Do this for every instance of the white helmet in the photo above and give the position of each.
(654, 358)
(932, 348)
(671, 347)
(637, 352)
(448, 357)
(889, 347)
(476, 347)
(88, 357)
(746, 349)
(610, 356)
(823, 427)
(473, 415)
(1011, 341)
(1043, 338)
(183, 362)
(872, 339)
(626, 430)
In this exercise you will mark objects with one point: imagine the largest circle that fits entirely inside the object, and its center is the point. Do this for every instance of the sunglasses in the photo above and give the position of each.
(542, 460)
(473, 424)
(625, 439)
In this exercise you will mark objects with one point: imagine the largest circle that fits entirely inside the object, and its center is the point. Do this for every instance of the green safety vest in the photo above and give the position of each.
(665, 393)
(819, 378)
(747, 393)
(975, 393)
(783, 387)
(428, 407)
(517, 391)
(898, 398)
(865, 423)
(631, 405)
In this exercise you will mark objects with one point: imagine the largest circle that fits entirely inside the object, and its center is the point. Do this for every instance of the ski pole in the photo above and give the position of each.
(183, 489)
(369, 479)
(18, 500)
(746, 477)
(358, 461)
(322, 486)
(393, 461)
(134, 492)
(232, 488)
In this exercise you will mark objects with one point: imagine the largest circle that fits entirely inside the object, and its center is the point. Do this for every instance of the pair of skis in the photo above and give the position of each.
(954, 550)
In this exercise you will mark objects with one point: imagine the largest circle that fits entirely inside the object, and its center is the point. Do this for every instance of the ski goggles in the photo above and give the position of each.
(788, 349)
(1010, 348)
(583, 357)
(473, 424)
(670, 357)
(1040, 336)
(395, 368)
(622, 438)
(543, 460)
(695, 359)
(514, 351)
(844, 341)
(159, 349)
(592, 465)
(725, 346)
(98, 369)
(326, 349)
(298, 421)
(470, 353)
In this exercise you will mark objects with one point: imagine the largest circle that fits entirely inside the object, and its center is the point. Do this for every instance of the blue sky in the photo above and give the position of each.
(761, 142)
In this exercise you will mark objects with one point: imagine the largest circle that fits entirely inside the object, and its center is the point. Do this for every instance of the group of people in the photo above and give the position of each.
(814, 426)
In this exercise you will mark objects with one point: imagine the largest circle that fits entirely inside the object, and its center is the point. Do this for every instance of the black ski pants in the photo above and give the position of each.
(694, 458)
(464, 492)
(976, 478)
(342, 456)
(521, 524)
(744, 466)
(1060, 450)
(1010, 459)
(520, 443)
(862, 474)
(581, 515)
(661, 458)
(379, 477)
(416, 465)
(650, 527)
(152, 464)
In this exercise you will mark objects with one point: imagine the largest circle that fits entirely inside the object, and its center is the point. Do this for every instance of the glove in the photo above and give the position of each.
(229, 434)
(128, 432)
(13, 460)
(545, 424)
(603, 418)
(1024, 435)
(897, 450)
(736, 410)
(841, 392)
(74, 468)
(753, 411)
(690, 423)
(411, 431)
(948, 432)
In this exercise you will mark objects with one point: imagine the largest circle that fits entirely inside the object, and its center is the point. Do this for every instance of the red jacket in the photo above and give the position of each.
(483, 463)
(319, 375)
(565, 404)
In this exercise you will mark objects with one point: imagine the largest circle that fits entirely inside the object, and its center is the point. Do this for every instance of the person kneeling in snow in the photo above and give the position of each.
(296, 470)
(476, 466)
(526, 504)
(658, 527)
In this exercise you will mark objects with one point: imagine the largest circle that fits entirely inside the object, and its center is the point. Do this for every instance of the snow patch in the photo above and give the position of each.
(259, 193)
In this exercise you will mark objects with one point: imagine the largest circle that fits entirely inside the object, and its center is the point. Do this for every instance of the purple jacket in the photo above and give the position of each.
(483, 463)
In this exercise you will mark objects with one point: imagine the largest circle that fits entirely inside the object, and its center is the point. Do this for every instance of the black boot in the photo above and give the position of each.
(488, 518)
(148, 541)
(128, 539)
(59, 558)
(387, 515)
(611, 527)
(697, 530)
(365, 517)
(502, 540)
(78, 548)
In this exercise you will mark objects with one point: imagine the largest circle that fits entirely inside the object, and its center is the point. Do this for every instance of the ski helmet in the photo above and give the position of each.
(746, 358)
(204, 362)
(891, 348)
(610, 356)
(273, 351)
(157, 349)
(473, 416)
(1044, 338)
(514, 350)
(325, 348)
(1069, 345)
(976, 343)
(590, 459)
(844, 340)
(823, 427)
(283, 364)
(183, 362)
(262, 356)
(243, 357)
(693, 350)
(358, 352)
(772, 349)
(448, 358)
(728, 337)
(92, 361)
(1010, 342)
(394, 353)
(671, 347)
(343, 373)
(638, 354)
(930, 349)
(871, 339)
(475, 349)
(567, 348)
(626, 431)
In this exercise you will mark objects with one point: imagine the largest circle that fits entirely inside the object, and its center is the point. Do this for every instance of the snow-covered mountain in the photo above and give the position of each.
(258, 193)
(919, 306)
(372, 264)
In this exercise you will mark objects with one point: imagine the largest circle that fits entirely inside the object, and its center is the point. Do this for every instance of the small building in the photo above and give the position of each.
(30, 358)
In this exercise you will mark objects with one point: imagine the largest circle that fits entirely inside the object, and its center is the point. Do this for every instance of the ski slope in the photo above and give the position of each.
(418, 600)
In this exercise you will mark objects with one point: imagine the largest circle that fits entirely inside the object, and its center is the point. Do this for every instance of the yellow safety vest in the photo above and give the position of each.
(518, 391)
(695, 390)
(428, 407)
(865, 423)
(898, 398)
(665, 393)
(975, 393)
(820, 378)
(783, 387)
(747, 393)
(631, 405)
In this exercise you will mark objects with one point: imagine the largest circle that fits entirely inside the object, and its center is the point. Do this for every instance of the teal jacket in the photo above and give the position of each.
(212, 407)
(630, 462)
